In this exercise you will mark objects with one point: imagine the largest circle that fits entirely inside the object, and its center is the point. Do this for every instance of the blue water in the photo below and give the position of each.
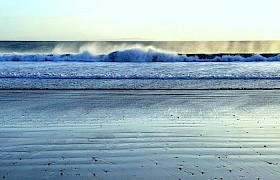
(138, 65)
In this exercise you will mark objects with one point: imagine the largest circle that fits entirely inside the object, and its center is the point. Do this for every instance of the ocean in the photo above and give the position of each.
(140, 65)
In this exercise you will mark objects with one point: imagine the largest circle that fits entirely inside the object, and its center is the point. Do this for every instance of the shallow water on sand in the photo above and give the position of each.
(140, 134)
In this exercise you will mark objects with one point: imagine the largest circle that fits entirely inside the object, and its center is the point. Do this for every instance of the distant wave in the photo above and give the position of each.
(138, 55)
(130, 77)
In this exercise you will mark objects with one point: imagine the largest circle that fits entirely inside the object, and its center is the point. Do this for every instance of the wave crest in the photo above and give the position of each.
(139, 55)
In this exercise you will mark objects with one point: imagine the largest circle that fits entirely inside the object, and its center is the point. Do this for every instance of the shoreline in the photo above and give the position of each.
(139, 89)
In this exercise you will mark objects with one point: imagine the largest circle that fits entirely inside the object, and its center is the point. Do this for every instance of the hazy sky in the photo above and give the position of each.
(139, 19)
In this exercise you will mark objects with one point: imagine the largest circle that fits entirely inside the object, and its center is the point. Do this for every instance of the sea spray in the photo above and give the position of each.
(106, 47)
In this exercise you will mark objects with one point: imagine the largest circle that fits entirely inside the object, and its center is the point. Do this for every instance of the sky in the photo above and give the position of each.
(162, 20)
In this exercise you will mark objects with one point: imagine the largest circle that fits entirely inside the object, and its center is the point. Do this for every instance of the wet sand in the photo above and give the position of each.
(140, 134)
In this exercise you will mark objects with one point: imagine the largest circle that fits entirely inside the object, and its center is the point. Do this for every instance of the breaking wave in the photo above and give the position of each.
(140, 55)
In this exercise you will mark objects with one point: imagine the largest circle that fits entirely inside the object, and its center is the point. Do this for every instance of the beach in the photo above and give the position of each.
(139, 90)
(140, 134)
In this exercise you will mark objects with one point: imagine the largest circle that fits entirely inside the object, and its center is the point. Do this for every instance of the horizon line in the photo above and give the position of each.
(139, 40)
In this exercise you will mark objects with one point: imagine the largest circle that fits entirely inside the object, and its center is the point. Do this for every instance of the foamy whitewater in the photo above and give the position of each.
(139, 65)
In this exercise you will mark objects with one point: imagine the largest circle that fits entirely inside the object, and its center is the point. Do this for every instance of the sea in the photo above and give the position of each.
(139, 65)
